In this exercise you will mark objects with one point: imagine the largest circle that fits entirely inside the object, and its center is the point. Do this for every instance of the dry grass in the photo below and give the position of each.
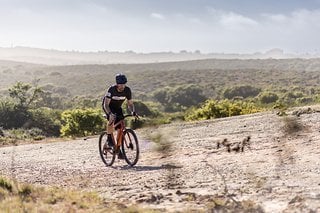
(292, 125)
(226, 205)
(16, 197)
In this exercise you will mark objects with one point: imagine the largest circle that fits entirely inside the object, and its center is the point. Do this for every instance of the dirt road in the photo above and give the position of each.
(278, 171)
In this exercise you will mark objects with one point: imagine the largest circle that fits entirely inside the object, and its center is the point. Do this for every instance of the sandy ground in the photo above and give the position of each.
(278, 171)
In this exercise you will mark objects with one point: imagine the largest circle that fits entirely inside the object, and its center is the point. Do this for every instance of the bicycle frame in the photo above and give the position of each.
(121, 128)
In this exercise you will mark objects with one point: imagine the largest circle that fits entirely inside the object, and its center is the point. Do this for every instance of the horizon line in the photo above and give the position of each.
(184, 51)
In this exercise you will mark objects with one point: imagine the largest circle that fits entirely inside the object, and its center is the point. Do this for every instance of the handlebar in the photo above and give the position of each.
(136, 116)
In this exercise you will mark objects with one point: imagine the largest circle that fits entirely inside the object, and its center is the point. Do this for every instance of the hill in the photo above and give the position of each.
(278, 170)
(213, 75)
(57, 57)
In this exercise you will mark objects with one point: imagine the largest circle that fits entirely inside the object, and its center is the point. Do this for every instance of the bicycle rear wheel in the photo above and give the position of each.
(107, 154)
(130, 147)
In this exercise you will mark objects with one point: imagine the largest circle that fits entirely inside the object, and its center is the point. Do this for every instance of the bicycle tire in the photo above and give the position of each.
(108, 156)
(130, 147)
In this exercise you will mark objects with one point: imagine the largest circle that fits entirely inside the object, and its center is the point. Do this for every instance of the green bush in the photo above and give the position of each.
(268, 97)
(290, 98)
(219, 109)
(241, 91)
(179, 98)
(23, 134)
(13, 115)
(82, 122)
(46, 119)
(305, 100)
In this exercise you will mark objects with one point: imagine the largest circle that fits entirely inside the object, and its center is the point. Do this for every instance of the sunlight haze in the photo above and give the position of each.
(159, 26)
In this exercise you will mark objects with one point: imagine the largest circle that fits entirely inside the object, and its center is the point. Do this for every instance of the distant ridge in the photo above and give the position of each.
(57, 57)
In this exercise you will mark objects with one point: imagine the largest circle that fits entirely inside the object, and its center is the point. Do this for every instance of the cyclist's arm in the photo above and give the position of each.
(106, 105)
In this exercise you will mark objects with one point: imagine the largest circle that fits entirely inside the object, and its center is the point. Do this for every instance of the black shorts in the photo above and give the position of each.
(119, 115)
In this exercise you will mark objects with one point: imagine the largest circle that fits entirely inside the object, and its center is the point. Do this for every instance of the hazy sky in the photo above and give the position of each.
(229, 26)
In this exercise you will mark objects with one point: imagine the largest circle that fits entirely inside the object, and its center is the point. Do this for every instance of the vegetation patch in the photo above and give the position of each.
(191, 90)
(219, 109)
(82, 122)
(17, 197)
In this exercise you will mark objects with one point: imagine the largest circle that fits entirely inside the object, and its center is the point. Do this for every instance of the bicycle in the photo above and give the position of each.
(126, 140)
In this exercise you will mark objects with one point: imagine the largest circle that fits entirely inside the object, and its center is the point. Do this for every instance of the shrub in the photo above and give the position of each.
(47, 120)
(268, 97)
(23, 134)
(12, 115)
(305, 100)
(81, 122)
(292, 125)
(179, 98)
(219, 109)
(290, 98)
(243, 91)
(5, 184)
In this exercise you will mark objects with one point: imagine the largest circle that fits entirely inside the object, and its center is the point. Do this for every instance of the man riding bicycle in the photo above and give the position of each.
(112, 102)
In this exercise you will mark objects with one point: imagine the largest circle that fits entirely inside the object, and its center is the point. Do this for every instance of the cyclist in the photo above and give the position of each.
(112, 102)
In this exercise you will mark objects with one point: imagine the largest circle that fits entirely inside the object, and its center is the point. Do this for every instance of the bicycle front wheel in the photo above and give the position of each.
(130, 147)
(107, 154)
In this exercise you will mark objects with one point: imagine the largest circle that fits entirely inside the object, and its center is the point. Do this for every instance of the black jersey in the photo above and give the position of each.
(117, 98)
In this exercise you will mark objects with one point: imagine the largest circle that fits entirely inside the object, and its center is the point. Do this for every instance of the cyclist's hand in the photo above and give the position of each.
(135, 114)
(112, 117)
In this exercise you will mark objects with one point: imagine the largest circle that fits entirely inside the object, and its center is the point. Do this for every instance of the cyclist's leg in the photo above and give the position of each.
(119, 117)
(110, 130)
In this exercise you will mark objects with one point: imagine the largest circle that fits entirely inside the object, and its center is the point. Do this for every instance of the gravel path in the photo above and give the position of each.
(279, 172)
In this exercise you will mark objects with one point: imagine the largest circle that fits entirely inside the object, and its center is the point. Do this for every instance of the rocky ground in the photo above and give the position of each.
(203, 168)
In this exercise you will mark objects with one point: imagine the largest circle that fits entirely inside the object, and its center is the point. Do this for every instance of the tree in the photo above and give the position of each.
(24, 95)
(189, 95)
(25, 111)
(180, 97)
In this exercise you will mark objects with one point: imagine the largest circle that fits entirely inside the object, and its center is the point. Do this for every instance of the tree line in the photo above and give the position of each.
(31, 107)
